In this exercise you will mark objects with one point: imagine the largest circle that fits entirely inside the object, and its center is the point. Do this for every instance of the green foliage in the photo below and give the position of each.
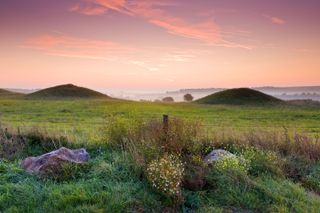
(117, 130)
(296, 167)
(233, 163)
(264, 194)
(312, 180)
(65, 171)
(263, 162)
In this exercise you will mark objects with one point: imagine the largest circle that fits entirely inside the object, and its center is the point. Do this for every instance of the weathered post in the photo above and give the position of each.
(165, 122)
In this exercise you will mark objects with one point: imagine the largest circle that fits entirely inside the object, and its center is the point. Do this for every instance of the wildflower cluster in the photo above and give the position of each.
(166, 174)
(232, 163)
(253, 153)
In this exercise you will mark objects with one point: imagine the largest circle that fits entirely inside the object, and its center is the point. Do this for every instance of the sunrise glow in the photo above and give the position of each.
(166, 44)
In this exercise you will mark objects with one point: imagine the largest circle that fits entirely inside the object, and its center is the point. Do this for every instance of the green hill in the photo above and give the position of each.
(8, 94)
(240, 96)
(67, 91)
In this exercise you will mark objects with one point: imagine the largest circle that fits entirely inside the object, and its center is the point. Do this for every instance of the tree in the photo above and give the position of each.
(168, 99)
(188, 97)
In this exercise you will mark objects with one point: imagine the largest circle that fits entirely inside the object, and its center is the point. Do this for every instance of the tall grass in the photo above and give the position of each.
(16, 144)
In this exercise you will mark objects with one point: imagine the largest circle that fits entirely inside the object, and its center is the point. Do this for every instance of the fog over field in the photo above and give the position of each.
(284, 93)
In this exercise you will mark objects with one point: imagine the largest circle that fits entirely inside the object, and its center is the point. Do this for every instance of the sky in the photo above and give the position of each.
(159, 44)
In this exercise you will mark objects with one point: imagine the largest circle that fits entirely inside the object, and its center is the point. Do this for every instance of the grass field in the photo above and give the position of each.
(279, 178)
(86, 116)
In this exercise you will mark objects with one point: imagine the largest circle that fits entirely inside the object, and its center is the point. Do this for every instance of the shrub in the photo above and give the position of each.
(312, 180)
(232, 163)
(188, 97)
(148, 140)
(167, 99)
(166, 175)
(296, 167)
(181, 136)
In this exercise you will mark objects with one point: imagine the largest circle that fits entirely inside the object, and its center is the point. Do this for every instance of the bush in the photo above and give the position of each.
(312, 180)
(296, 167)
(181, 136)
(148, 140)
(166, 175)
(167, 99)
(232, 163)
(188, 97)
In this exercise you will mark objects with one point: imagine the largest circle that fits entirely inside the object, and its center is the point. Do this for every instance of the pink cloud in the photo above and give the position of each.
(98, 7)
(62, 45)
(74, 47)
(275, 20)
(150, 10)
(88, 10)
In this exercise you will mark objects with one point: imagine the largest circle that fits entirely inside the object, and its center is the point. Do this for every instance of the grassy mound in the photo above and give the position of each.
(8, 94)
(241, 96)
(67, 91)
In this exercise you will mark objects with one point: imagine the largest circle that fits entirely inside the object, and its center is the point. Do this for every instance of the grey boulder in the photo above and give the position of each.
(54, 161)
(216, 155)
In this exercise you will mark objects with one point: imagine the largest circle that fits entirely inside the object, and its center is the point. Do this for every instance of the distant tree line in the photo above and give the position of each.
(187, 97)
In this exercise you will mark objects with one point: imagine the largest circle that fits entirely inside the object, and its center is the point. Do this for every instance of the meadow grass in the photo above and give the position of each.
(88, 115)
(279, 145)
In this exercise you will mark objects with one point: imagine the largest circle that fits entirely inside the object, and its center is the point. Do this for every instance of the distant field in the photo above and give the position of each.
(86, 116)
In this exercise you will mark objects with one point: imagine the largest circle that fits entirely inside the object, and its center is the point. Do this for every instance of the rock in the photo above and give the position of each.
(216, 154)
(55, 161)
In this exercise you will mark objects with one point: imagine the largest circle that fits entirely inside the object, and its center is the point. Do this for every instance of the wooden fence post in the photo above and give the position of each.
(165, 122)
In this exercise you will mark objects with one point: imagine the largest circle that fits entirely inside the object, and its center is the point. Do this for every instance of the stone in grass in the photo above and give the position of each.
(59, 164)
(216, 155)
